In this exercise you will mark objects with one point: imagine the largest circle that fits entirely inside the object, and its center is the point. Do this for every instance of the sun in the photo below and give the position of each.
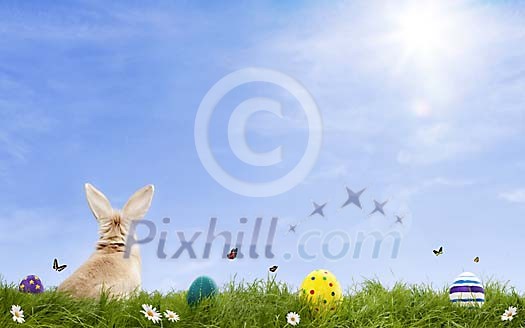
(427, 31)
(420, 31)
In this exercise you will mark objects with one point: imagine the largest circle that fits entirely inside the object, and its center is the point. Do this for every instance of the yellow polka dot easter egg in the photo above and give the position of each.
(321, 289)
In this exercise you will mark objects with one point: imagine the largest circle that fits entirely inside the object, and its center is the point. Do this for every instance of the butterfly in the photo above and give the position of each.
(57, 267)
(439, 251)
(476, 260)
(274, 268)
(232, 254)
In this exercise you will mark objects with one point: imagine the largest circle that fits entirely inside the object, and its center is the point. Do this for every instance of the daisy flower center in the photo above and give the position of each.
(150, 313)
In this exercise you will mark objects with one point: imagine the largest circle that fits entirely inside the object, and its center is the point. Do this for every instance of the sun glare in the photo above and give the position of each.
(427, 32)
(421, 32)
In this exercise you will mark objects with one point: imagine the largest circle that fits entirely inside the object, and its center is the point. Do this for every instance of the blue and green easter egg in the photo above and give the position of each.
(31, 284)
(201, 288)
(467, 290)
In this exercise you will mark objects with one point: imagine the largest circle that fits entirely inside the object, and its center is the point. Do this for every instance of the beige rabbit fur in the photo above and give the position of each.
(107, 269)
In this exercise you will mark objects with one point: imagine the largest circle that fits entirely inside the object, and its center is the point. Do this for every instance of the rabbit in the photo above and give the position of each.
(107, 269)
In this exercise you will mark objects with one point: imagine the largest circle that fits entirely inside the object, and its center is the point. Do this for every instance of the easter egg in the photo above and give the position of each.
(201, 288)
(321, 288)
(467, 290)
(31, 284)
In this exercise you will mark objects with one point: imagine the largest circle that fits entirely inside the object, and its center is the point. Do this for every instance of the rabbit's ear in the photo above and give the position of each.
(139, 203)
(99, 204)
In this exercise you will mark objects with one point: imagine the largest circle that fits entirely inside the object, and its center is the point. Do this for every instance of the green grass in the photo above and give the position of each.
(265, 304)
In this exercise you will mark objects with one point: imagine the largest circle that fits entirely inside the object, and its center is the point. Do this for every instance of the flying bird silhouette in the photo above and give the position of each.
(353, 197)
(318, 209)
(379, 207)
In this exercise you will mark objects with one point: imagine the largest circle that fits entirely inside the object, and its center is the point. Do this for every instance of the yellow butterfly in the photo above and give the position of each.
(476, 260)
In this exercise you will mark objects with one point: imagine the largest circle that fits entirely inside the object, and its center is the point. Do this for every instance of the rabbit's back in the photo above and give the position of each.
(110, 272)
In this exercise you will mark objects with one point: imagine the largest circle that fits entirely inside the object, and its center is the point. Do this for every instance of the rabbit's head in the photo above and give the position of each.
(114, 224)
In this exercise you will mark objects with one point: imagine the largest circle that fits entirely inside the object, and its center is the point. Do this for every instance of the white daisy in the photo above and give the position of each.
(509, 314)
(293, 318)
(172, 316)
(18, 314)
(151, 313)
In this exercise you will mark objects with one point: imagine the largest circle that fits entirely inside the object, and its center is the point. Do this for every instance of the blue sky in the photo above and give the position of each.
(423, 104)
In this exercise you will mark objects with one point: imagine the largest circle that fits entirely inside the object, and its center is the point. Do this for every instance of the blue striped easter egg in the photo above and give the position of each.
(467, 290)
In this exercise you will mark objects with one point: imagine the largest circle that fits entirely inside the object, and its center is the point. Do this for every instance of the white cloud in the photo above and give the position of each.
(21, 120)
(448, 182)
(90, 22)
(407, 192)
(444, 141)
(17, 134)
(514, 196)
(23, 227)
(12, 146)
(335, 171)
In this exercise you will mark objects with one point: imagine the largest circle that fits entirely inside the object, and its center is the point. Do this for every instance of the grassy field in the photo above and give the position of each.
(265, 304)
